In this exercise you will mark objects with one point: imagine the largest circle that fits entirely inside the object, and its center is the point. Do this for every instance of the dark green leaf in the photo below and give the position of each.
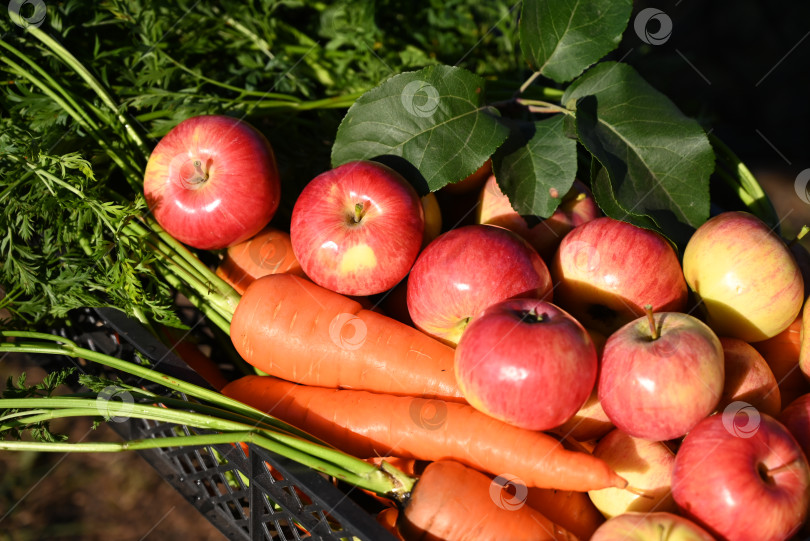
(658, 160)
(561, 38)
(432, 118)
(539, 173)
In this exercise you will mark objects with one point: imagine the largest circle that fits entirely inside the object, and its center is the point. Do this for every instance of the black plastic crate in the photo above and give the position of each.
(234, 490)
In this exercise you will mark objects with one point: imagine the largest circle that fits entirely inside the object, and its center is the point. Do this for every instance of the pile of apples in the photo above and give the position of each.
(687, 373)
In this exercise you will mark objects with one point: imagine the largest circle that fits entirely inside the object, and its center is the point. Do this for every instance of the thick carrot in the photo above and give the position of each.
(289, 327)
(572, 510)
(368, 424)
(268, 252)
(451, 502)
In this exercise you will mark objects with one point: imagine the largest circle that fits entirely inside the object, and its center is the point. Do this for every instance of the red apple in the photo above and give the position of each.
(606, 271)
(658, 526)
(748, 378)
(464, 271)
(647, 466)
(576, 208)
(527, 363)
(748, 282)
(796, 418)
(357, 229)
(212, 182)
(657, 381)
(742, 484)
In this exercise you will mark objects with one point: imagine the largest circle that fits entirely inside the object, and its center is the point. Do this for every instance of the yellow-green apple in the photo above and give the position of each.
(605, 271)
(742, 482)
(647, 466)
(656, 526)
(526, 362)
(796, 418)
(433, 218)
(746, 279)
(472, 183)
(748, 378)
(576, 208)
(357, 228)
(590, 422)
(782, 354)
(660, 375)
(212, 182)
(465, 270)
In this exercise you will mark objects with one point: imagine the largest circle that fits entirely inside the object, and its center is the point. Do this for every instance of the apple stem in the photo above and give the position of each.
(648, 309)
(770, 472)
(800, 236)
(358, 212)
(638, 492)
(202, 176)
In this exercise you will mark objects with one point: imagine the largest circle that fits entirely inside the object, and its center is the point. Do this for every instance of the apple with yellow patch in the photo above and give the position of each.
(357, 229)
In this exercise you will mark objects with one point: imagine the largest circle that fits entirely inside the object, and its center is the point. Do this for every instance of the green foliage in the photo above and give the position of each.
(561, 38)
(397, 119)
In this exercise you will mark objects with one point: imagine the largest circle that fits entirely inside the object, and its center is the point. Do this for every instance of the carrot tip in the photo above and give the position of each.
(619, 481)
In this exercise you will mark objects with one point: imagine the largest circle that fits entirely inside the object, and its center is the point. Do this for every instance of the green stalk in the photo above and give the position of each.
(149, 374)
(228, 294)
(46, 76)
(68, 58)
(314, 455)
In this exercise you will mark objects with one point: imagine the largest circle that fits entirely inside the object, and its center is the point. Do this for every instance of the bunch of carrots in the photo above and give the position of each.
(395, 395)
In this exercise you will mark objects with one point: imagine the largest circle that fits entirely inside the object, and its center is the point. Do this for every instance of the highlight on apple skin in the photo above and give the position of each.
(357, 229)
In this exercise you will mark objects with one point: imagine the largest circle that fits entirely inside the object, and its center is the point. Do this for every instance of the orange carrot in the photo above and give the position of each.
(388, 519)
(452, 502)
(368, 424)
(572, 510)
(289, 327)
(268, 252)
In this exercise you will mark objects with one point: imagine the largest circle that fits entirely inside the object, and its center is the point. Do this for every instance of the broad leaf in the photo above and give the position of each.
(540, 172)
(658, 160)
(432, 118)
(562, 38)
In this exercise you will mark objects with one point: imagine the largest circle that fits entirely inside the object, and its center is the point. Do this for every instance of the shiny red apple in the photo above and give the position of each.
(526, 362)
(576, 208)
(465, 270)
(660, 375)
(605, 272)
(742, 482)
(357, 229)
(212, 182)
